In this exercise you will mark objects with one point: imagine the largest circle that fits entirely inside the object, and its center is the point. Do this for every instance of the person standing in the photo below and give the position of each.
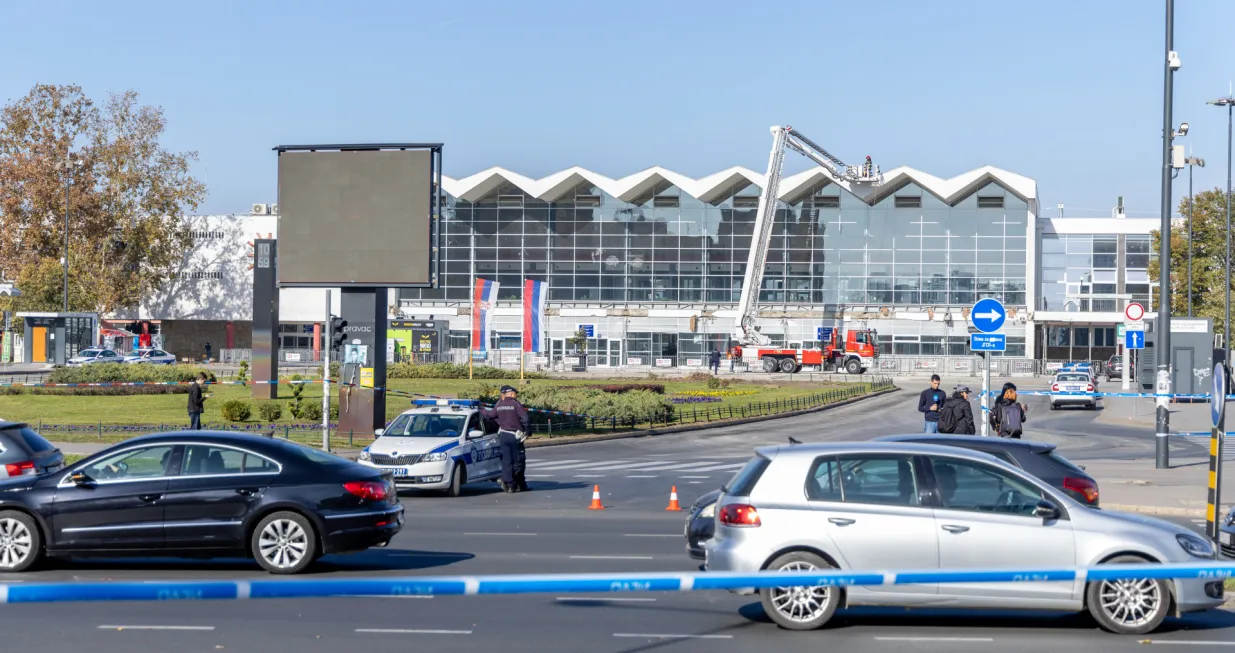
(714, 361)
(513, 425)
(956, 416)
(1008, 416)
(208, 351)
(197, 401)
(929, 403)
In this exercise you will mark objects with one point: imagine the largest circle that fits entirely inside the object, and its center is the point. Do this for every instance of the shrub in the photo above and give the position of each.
(120, 372)
(451, 371)
(589, 400)
(713, 382)
(242, 374)
(236, 410)
(311, 412)
(619, 388)
(296, 405)
(100, 391)
(724, 383)
(698, 377)
(334, 411)
(269, 411)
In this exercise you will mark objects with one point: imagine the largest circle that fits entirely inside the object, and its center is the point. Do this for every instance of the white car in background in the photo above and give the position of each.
(150, 355)
(1074, 389)
(94, 355)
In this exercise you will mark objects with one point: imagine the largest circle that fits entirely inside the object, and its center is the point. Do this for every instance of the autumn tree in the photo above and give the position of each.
(1209, 258)
(126, 199)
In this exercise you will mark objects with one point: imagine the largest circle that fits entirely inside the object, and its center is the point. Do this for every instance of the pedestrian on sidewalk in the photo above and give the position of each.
(956, 416)
(209, 349)
(929, 403)
(714, 361)
(197, 402)
(1008, 416)
(733, 358)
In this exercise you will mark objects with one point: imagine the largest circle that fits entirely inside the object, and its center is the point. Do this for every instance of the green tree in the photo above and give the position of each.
(1209, 258)
(127, 197)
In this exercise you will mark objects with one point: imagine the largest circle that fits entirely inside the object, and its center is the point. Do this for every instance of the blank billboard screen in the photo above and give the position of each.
(355, 218)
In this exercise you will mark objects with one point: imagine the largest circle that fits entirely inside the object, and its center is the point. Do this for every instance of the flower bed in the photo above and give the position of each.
(695, 400)
(715, 393)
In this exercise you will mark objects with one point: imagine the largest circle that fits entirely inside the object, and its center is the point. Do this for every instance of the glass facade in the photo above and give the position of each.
(1087, 272)
(828, 248)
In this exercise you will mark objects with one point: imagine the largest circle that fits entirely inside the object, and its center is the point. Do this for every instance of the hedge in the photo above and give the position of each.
(122, 372)
(100, 391)
(619, 388)
(591, 401)
(451, 371)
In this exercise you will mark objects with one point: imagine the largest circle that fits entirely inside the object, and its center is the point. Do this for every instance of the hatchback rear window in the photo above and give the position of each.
(744, 481)
(1073, 377)
(24, 439)
(1063, 462)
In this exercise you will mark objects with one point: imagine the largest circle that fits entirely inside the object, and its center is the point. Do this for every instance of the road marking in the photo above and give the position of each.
(588, 476)
(694, 482)
(553, 463)
(651, 535)
(412, 631)
(612, 558)
(557, 467)
(718, 468)
(109, 627)
(670, 636)
(505, 534)
(664, 467)
(615, 599)
(934, 639)
(639, 476)
(538, 475)
(694, 477)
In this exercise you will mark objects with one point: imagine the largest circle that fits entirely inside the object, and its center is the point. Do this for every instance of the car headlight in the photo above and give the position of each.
(433, 457)
(365, 455)
(709, 511)
(1195, 546)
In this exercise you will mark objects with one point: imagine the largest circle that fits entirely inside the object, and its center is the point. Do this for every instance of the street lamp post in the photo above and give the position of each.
(1200, 163)
(1227, 102)
(1162, 339)
(69, 164)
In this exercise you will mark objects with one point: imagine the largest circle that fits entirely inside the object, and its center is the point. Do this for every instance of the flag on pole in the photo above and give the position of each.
(533, 315)
(485, 296)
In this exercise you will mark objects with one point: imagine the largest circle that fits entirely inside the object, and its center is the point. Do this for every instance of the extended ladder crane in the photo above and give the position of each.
(782, 137)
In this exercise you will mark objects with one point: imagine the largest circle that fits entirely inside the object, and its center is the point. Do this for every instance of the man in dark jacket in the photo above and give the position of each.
(929, 403)
(956, 416)
(1008, 415)
(513, 427)
(197, 402)
(714, 361)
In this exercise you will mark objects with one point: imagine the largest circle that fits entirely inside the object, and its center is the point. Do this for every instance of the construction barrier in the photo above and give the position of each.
(578, 583)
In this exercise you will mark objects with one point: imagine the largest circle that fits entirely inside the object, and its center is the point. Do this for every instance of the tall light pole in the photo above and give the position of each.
(1227, 102)
(1162, 340)
(1200, 163)
(69, 164)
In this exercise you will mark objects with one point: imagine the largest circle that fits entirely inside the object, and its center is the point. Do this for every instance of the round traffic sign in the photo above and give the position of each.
(1217, 400)
(988, 315)
(1134, 312)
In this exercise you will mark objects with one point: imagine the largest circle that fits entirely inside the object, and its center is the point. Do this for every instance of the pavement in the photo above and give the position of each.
(550, 530)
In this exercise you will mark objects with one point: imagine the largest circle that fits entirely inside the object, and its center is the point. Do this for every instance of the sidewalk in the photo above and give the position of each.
(1136, 486)
(1139, 411)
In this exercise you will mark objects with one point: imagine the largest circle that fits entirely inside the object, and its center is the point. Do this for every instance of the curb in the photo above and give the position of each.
(1161, 511)
(584, 439)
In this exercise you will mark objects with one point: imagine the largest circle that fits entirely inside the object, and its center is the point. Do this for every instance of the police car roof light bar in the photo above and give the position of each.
(445, 402)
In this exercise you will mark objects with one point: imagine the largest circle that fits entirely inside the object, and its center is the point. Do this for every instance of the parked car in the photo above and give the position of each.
(199, 494)
(1037, 458)
(92, 356)
(1073, 389)
(889, 506)
(1115, 368)
(150, 355)
(23, 452)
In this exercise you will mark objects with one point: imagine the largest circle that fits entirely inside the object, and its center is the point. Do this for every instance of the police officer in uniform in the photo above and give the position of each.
(513, 427)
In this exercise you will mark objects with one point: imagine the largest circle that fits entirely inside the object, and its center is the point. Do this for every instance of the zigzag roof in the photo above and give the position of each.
(709, 188)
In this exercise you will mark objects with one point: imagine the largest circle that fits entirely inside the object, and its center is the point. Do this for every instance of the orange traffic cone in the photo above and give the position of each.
(596, 504)
(673, 500)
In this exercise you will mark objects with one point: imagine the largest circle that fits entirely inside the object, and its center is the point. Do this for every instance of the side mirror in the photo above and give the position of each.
(1046, 510)
(378, 433)
(475, 433)
(81, 479)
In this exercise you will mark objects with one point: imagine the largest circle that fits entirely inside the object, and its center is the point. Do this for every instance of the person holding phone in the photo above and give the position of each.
(197, 401)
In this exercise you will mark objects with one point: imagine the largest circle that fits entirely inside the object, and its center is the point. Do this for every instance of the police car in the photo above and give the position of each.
(440, 444)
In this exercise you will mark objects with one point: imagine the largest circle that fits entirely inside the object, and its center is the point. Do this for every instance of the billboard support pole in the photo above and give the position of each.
(326, 379)
(471, 321)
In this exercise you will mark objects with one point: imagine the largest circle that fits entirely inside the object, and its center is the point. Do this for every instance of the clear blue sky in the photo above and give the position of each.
(1065, 91)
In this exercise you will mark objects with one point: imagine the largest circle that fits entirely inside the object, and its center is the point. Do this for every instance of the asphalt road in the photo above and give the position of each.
(551, 530)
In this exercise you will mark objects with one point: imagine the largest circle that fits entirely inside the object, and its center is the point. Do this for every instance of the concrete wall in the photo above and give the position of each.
(187, 338)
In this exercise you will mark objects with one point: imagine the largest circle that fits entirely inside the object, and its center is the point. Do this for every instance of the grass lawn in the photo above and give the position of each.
(168, 411)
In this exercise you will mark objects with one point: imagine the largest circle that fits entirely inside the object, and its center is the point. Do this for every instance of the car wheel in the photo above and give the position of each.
(853, 367)
(800, 608)
(284, 543)
(20, 543)
(457, 479)
(769, 364)
(1128, 607)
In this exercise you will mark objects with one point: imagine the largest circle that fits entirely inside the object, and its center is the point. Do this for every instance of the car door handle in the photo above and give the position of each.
(150, 498)
(841, 521)
(952, 528)
(247, 491)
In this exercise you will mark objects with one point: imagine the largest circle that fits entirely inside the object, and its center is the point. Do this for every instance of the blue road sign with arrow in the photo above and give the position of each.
(1134, 339)
(988, 315)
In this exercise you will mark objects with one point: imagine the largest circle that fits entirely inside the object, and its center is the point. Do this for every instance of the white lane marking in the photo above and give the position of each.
(612, 558)
(557, 467)
(505, 534)
(539, 475)
(616, 599)
(109, 627)
(664, 467)
(643, 476)
(651, 535)
(670, 636)
(934, 639)
(718, 468)
(412, 631)
(694, 476)
(550, 463)
(694, 482)
(588, 476)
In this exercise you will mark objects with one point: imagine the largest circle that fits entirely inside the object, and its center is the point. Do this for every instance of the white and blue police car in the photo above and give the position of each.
(440, 444)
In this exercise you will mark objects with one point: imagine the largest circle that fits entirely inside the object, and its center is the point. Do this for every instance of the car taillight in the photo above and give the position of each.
(1082, 487)
(1055, 387)
(369, 490)
(1089, 388)
(25, 468)
(739, 515)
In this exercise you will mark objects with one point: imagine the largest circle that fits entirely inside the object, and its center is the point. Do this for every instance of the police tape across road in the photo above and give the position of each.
(579, 583)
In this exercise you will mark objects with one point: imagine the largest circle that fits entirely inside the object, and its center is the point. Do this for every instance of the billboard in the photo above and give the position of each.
(358, 216)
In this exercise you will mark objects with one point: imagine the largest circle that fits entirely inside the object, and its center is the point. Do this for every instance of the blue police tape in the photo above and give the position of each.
(580, 583)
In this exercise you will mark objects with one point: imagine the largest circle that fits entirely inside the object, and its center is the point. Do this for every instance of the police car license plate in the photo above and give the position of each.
(1228, 539)
(399, 472)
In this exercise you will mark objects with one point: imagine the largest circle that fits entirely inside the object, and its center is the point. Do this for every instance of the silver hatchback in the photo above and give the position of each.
(887, 507)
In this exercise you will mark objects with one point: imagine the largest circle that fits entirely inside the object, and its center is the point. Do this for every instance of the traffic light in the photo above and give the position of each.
(337, 324)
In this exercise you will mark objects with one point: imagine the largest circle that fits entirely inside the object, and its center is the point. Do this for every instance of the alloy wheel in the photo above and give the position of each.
(16, 543)
(283, 543)
(1131, 603)
(801, 604)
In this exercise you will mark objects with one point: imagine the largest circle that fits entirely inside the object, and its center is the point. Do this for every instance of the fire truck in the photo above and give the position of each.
(853, 350)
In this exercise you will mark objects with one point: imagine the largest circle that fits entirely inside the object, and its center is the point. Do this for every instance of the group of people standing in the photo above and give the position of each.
(944, 414)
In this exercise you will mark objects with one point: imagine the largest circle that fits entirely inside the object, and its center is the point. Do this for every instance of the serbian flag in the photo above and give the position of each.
(485, 296)
(533, 315)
